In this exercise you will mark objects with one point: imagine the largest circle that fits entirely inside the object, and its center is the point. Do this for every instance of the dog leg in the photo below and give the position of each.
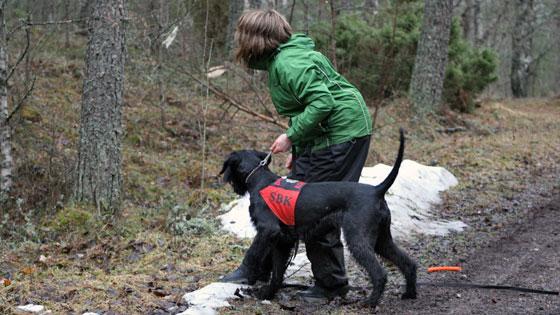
(280, 258)
(256, 258)
(365, 257)
(389, 250)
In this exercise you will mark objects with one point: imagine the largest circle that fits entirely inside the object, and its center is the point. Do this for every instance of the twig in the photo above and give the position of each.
(251, 84)
(21, 56)
(206, 65)
(231, 100)
(451, 129)
(20, 103)
(292, 11)
(28, 23)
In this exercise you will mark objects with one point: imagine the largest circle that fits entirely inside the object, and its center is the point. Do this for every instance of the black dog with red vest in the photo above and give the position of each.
(361, 210)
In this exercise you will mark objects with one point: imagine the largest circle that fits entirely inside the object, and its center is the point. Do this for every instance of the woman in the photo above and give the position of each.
(329, 132)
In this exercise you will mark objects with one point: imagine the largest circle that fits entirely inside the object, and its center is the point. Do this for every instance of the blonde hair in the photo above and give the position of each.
(259, 33)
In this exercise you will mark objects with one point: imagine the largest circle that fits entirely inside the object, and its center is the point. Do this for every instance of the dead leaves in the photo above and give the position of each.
(6, 282)
(27, 271)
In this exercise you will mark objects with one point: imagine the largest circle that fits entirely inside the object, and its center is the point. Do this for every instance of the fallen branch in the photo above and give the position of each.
(451, 130)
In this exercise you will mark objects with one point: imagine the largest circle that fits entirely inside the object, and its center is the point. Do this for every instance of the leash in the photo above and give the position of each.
(447, 285)
(486, 286)
(261, 164)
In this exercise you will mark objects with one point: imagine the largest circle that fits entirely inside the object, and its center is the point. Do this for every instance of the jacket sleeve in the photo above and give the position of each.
(311, 91)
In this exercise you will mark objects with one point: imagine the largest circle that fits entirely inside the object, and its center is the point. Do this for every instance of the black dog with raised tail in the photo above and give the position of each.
(360, 209)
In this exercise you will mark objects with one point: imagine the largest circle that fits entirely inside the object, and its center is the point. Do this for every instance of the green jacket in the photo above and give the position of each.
(323, 107)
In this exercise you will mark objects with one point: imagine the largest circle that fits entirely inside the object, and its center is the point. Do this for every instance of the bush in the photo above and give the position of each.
(379, 57)
(469, 71)
(378, 60)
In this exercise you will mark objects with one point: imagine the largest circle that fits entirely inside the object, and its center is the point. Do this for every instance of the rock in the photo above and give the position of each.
(31, 309)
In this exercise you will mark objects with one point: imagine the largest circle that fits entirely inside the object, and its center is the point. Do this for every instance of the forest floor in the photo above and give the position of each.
(507, 161)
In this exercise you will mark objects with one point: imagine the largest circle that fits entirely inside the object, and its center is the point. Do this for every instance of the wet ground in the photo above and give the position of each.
(523, 250)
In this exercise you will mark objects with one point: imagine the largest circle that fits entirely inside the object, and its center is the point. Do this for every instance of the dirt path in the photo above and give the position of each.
(527, 254)
(528, 257)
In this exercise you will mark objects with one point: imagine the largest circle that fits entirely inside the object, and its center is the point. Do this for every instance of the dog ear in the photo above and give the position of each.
(230, 163)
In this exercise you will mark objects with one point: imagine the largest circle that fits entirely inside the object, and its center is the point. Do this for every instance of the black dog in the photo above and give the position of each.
(364, 217)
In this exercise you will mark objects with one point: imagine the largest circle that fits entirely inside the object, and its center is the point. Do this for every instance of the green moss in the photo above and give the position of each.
(72, 219)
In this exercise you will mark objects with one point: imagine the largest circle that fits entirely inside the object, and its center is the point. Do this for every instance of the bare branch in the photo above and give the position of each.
(250, 83)
(21, 55)
(19, 104)
(292, 11)
(235, 103)
(72, 21)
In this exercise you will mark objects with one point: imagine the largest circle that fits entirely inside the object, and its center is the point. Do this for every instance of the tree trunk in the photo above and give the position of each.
(6, 161)
(521, 47)
(235, 9)
(370, 7)
(431, 57)
(99, 150)
(471, 21)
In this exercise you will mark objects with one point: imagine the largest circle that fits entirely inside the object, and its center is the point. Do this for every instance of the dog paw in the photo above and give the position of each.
(265, 293)
(408, 295)
(369, 303)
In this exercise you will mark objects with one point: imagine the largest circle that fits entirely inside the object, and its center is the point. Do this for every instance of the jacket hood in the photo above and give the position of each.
(298, 41)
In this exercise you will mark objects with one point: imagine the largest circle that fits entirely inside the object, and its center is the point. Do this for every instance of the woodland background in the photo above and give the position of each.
(116, 116)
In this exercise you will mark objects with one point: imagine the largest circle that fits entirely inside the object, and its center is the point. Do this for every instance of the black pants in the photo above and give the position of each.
(339, 162)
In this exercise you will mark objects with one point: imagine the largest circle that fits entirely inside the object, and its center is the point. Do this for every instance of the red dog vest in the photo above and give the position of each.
(281, 197)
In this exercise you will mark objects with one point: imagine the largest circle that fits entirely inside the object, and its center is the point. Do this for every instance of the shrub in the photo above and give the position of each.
(379, 57)
(469, 71)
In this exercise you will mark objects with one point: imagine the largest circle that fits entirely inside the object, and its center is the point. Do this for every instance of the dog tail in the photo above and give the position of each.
(386, 184)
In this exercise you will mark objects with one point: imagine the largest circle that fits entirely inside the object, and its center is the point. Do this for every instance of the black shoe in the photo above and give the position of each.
(241, 276)
(317, 294)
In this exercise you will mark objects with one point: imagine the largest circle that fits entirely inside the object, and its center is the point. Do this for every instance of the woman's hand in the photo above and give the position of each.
(281, 144)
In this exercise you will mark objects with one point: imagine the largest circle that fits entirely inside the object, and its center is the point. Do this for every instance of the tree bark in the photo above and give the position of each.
(471, 21)
(99, 177)
(371, 7)
(431, 57)
(235, 9)
(522, 47)
(6, 161)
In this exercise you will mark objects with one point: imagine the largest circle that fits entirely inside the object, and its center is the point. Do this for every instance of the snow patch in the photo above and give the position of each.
(236, 220)
(412, 196)
(410, 199)
(215, 295)
(33, 309)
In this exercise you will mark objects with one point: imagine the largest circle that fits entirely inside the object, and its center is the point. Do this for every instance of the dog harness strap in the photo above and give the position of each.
(281, 197)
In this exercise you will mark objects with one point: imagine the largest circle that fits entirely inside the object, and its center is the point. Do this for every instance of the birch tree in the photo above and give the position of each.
(6, 161)
(99, 178)
(426, 84)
